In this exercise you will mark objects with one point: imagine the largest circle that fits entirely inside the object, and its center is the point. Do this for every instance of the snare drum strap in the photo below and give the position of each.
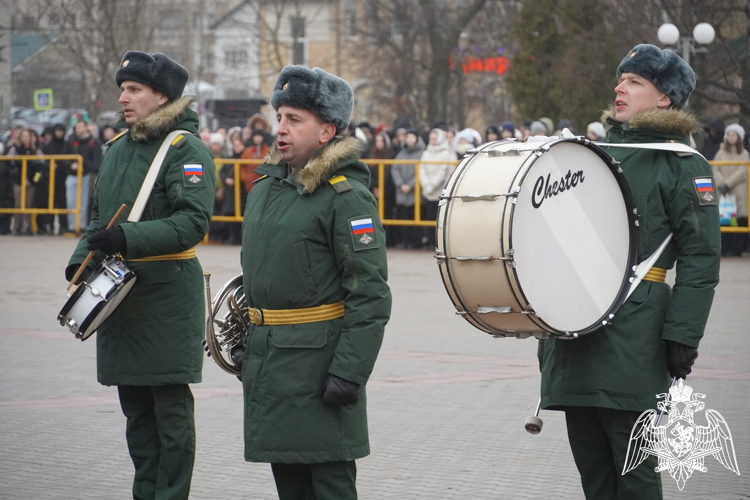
(153, 172)
(645, 266)
(675, 147)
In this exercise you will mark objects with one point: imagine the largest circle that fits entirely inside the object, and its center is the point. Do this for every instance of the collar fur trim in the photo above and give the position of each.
(160, 121)
(666, 121)
(320, 167)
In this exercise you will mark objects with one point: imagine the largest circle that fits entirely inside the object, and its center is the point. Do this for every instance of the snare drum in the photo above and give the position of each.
(97, 297)
(537, 237)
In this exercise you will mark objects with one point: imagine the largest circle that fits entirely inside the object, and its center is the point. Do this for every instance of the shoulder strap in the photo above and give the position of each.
(150, 180)
(675, 147)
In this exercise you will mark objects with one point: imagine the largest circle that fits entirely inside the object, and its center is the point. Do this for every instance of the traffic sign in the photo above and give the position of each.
(42, 99)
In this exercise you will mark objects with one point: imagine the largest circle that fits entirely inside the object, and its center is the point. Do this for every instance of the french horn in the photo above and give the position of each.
(227, 347)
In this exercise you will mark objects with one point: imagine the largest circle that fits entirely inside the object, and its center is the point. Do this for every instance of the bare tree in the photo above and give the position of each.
(94, 34)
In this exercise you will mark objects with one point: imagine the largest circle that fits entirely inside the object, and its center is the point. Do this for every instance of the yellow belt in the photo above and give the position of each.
(187, 254)
(656, 274)
(295, 316)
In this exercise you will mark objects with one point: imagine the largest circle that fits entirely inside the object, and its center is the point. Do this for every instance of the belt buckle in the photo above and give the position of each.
(256, 316)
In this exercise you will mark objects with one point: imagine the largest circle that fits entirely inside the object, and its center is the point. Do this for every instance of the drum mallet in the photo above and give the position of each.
(534, 424)
(91, 254)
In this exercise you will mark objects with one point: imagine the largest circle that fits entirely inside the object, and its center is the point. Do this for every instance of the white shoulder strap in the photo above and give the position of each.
(153, 172)
(675, 147)
(645, 266)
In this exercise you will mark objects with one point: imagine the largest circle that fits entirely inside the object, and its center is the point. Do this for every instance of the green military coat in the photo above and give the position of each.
(299, 250)
(154, 336)
(623, 365)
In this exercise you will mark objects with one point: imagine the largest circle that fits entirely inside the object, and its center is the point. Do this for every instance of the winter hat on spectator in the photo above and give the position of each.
(216, 138)
(492, 129)
(537, 127)
(597, 129)
(509, 126)
(548, 123)
(564, 123)
(316, 90)
(665, 69)
(155, 70)
(736, 128)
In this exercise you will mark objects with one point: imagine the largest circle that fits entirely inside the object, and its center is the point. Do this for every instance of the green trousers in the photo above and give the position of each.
(599, 440)
(161, 439)
(325, 481)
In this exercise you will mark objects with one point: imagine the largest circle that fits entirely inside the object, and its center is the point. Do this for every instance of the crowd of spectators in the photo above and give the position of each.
(84, 139)
(440, 147)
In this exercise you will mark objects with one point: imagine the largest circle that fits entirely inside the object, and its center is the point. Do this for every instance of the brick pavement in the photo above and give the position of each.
(447, 403)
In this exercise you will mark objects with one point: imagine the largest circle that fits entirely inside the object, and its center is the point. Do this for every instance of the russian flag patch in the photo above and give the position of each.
(193, 173)
(704, 188)
(363, 233)
(362, 226)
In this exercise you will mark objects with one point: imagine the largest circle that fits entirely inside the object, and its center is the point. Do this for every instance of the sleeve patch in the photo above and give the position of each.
(362, 229)
(193, 175)
(340, 184)
(704, 189)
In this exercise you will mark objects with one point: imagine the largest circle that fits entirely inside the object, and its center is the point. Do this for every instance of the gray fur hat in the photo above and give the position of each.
(665, 69)
(316, 90)
(155, 70)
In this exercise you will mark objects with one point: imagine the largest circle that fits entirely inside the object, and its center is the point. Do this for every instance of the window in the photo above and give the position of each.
(351, 24)
(235, 58)
(298, 45)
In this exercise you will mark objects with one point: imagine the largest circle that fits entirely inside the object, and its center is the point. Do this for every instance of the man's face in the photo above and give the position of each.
(139, 100)
(59, 133)
(411, 140)
(80, 129)
(635, 95)
(300, 134)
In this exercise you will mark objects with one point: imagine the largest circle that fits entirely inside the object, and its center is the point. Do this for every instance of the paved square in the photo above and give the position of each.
(447, 403)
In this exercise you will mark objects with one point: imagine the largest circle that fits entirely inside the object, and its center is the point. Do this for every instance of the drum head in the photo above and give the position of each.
(573, 238)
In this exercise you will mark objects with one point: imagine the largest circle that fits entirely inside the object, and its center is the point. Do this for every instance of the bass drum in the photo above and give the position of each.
(537, 237)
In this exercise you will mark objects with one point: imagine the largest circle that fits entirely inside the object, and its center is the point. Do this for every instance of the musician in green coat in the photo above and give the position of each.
(314, 266)
(150, 347)
(605, 380)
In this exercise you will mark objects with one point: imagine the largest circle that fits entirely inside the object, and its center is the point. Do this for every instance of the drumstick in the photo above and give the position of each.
(91, 254)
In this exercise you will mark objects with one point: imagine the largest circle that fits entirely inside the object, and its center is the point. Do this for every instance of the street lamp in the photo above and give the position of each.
(703, 34)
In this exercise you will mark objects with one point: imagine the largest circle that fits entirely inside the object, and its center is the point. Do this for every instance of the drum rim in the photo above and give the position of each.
(620, 298)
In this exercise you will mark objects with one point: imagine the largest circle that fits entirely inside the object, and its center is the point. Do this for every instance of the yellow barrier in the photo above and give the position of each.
(734, 229)
(50, 210)
(417, 221)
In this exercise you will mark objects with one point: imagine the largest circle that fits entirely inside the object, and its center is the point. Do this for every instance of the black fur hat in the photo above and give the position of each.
(316, 90)
(155, 70)
(665, 69)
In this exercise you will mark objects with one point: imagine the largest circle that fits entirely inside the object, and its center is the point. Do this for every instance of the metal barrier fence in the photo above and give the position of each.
(50, 210)
(417, 221)
(381, 164)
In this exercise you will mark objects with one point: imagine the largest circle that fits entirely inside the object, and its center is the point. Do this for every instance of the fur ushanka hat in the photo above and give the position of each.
(665, 69)
(157, 71)
(316, 90)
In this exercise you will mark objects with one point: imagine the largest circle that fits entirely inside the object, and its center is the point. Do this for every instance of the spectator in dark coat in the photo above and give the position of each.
(381, 150)
(404, 177)
(81, 142)
(714, 137)
(26, 146)
(54, 144)
(492, 134)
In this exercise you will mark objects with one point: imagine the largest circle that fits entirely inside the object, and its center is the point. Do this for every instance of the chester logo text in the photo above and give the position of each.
(681, 445)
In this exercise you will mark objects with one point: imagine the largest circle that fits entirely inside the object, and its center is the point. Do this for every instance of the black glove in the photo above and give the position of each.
(71, 270)
(339, 392)
(109, 241)
(680, 358)
(723, 188)
(540, 354)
